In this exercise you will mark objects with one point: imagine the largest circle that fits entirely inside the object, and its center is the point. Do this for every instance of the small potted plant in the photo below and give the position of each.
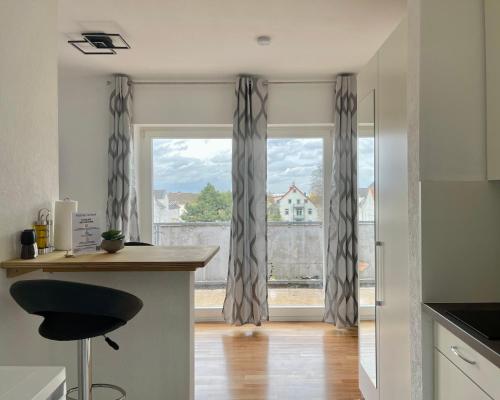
(112, 241)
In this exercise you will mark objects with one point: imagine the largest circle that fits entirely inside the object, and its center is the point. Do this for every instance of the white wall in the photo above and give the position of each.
(28, 152)
(84, 124)
(414, 262)
(214, 104)
(84, 121)
(300, 103)
(460, 236)
(183, 104)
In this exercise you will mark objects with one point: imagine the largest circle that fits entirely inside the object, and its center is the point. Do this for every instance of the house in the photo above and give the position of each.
(169, 207)
(164, 210)
(296, 206)
(366, 204)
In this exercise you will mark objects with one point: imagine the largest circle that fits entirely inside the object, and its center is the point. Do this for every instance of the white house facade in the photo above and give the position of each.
(164, 209)
(366, 205)
(296, 206)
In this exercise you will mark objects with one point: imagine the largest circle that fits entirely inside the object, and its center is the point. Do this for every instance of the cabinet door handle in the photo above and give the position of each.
(379, 274)
(454, 350)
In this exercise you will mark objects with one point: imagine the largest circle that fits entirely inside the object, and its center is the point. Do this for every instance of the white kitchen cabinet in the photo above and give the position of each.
(451, 383)
(492, 31)
(474, 370)
(386, 76)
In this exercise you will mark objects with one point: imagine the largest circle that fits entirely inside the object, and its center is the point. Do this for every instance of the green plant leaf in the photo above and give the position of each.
(112, 234)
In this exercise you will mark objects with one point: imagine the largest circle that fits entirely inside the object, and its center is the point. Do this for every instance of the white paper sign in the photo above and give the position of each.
(85, 233)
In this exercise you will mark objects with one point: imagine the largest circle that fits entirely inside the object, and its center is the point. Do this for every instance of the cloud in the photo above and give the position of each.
(292, 160)
(188, 165)
(366, 161)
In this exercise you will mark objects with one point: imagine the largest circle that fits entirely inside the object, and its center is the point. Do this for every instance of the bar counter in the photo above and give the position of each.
(156, 356)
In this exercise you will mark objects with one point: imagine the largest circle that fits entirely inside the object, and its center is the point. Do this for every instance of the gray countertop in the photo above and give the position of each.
(490, 349)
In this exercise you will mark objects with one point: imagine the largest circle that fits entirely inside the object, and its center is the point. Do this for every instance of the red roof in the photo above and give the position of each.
(293, 188)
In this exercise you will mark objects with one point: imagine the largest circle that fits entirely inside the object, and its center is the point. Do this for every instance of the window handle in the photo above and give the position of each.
(454, 350)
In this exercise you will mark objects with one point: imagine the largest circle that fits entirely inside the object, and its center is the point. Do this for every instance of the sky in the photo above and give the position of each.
(187, 165)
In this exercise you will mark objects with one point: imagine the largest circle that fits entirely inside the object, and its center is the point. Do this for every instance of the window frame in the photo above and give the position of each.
(144, 135)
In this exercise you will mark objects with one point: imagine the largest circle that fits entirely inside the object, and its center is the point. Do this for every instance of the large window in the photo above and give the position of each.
(186, 200)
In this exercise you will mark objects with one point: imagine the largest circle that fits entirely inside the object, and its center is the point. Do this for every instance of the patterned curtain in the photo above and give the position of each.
(341, 297)
(246, 292)
(121, 212)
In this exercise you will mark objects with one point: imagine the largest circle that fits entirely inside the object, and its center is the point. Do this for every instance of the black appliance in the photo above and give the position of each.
(486, 322)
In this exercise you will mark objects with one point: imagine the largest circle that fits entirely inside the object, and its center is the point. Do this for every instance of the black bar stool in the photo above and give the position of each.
(77, 311)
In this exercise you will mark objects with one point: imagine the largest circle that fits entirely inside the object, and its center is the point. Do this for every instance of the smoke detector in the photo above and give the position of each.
(264, 40)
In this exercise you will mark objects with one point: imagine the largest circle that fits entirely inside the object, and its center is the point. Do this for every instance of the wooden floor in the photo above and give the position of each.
(286, 361)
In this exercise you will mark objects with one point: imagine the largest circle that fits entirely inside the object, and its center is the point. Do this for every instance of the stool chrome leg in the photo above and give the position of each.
(85, 385)
(84, 370)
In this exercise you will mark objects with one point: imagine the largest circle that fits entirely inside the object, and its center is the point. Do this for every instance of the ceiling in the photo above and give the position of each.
(195, 39)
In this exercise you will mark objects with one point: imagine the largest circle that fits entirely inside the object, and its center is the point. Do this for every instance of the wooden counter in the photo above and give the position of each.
(133, 258)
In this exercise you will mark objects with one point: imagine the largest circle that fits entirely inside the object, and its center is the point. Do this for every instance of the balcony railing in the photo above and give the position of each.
(294, 251)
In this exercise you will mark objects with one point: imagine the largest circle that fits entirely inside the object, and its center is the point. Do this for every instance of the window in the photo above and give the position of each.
(295, 249)
(185, 194)
(366, 217)
(191, 199)
(306, 201)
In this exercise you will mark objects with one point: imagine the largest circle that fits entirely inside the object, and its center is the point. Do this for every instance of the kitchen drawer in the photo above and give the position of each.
(479, 369)
(452, 384)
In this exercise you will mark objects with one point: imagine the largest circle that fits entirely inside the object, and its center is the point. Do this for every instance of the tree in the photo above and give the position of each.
(210, 206)
(273, 212)
(316, 192)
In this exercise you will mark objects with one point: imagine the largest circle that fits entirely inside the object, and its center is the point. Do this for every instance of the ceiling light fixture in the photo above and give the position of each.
(264, 40)
(100, 43)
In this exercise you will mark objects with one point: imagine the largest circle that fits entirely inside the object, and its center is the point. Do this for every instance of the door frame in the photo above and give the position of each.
(143, 136)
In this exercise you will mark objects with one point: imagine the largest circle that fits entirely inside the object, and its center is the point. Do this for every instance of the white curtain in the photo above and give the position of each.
(341, 297)
(121, 212)
(246, 292)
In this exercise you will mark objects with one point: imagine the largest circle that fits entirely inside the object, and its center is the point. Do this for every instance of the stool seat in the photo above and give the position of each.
(137, 244)
(75, 311)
